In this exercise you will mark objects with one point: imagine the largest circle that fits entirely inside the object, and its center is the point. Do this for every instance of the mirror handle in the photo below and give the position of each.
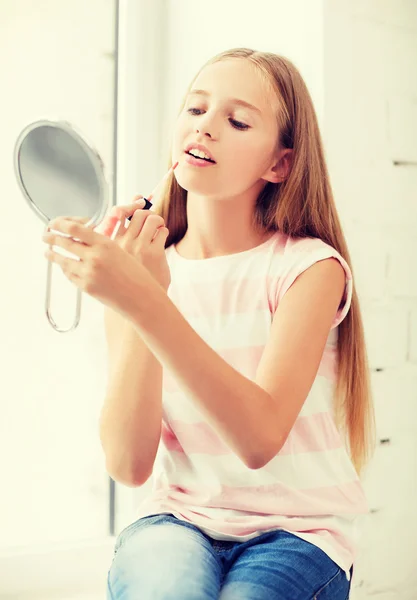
(48, 303)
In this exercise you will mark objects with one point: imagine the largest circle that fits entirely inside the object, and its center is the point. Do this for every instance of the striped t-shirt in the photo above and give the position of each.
(310, 488)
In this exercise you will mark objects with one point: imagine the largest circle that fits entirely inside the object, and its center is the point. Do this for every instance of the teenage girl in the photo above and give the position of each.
(238, 375)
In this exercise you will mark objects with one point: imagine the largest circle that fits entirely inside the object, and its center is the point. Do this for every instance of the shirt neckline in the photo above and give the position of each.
(223, 257)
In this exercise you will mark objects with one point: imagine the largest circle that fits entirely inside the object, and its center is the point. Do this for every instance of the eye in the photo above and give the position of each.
(239, 125)
(236, 124)
(194, 111)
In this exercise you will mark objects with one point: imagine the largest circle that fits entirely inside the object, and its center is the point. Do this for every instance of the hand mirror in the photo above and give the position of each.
(60, 174)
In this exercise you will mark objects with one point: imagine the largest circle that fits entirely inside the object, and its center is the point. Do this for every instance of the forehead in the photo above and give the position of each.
(240, 79)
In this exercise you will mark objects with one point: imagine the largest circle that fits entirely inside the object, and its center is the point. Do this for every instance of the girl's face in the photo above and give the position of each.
(231, 112)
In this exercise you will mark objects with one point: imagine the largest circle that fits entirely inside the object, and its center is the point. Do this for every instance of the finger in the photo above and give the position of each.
(68, 265)
(150, 227)
(115, 224)
(160, 238)
(123, 212)
(137, 223)
(67, 243)
(75, 229)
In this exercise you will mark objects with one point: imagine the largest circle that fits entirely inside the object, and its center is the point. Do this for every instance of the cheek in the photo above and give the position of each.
(179, 132)
(249, 156)
(176, 141)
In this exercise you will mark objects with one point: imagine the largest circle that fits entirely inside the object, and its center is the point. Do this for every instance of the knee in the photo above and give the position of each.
(163, 564)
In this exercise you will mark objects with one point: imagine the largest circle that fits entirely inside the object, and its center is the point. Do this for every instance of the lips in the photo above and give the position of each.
(201, 148)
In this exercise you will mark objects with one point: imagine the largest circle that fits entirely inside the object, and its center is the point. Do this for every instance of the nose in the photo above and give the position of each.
(201, 131)
(206, 126)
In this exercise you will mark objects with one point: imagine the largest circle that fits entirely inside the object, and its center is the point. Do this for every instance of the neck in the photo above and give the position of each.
(220, 226)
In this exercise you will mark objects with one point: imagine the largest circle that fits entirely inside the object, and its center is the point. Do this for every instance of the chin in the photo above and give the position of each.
(193, 182)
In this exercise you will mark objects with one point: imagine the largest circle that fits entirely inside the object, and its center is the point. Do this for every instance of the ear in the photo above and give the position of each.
(280, 170)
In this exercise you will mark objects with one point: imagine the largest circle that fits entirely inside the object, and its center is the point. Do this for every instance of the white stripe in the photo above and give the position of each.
(300, 471)
(233, 330)
(227, 268)
(319, 398)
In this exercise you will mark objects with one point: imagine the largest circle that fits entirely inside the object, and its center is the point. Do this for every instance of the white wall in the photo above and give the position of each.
(370, 54)
(56, 60)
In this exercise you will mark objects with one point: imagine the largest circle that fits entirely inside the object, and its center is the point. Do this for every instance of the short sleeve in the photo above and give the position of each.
(299, 255)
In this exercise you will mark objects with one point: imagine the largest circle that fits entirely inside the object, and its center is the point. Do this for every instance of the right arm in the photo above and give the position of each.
(130, 421)
(131, 417)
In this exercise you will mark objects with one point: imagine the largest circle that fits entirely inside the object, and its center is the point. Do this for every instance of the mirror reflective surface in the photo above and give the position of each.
(60, 174)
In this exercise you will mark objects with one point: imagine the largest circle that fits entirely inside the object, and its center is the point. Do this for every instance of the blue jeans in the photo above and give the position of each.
(160, 557)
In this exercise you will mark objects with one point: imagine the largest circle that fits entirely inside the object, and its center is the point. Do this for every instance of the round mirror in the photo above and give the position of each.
(60, 174)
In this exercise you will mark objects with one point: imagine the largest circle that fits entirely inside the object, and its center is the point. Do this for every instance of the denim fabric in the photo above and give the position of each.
(160, 557)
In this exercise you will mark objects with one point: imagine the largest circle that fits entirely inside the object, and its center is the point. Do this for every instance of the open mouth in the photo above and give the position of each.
(201, 158)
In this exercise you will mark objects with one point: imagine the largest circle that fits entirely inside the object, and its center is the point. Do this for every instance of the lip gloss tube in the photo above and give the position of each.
(148, 202)
(147, 206)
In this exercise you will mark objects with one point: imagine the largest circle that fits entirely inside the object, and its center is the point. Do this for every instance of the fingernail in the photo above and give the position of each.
(141, 202)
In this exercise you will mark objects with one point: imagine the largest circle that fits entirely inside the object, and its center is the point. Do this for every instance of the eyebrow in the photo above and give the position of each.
(233, 100)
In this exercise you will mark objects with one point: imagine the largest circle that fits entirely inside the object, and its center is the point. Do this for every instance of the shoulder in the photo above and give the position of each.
(304, 249)
(322, 266)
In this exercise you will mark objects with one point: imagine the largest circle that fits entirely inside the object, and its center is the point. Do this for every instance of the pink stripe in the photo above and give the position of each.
(313, 433)
(277, 498)
(194, 438)
(170, 440)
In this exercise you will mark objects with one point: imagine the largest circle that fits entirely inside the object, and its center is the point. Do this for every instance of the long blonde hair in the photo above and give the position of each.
(302, 206)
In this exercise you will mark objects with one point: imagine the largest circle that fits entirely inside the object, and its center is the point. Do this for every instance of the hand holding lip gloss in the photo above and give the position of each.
(148, 203)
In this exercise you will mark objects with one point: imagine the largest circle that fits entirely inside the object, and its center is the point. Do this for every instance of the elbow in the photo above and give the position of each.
(256, 462)
(128, 468)
(260, 459)
(253, 464)
(133, 477)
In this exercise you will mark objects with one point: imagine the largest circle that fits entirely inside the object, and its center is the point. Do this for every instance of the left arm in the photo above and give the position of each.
(253, 417)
